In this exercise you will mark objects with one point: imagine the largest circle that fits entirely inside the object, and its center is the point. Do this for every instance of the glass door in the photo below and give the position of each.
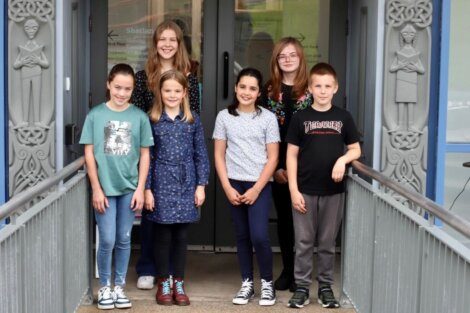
(131, 25)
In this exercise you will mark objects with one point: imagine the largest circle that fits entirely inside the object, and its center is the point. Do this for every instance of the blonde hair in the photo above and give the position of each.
(180, 59)
(300, 80)
(158, 105)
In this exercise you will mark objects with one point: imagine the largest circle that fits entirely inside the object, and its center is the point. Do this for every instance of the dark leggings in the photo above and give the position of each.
(251, 229)
(171, 239)
(285, 225)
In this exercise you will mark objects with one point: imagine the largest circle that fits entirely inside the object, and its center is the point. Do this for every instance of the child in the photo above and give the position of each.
(315, 167)
(167, 52)
(179, 171)
(116, 135)
(285, 94)
(246, 151)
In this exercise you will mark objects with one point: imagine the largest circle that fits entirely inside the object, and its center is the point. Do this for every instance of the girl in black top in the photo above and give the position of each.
(285, 93)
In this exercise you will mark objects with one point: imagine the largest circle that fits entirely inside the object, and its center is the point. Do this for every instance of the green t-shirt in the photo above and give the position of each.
(117, 138)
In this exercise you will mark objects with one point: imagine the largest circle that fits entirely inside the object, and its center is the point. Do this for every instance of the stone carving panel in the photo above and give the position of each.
(31, 92)
(406, 92)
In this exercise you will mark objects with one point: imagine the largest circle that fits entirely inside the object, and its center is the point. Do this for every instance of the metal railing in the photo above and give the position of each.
(393, 259)
(45, 251)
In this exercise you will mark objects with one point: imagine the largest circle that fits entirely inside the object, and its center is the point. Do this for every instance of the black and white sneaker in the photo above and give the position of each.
(299, 298)
(121, 301)
(326, 297)
(105, 298)
(268, 294)
(245, 294)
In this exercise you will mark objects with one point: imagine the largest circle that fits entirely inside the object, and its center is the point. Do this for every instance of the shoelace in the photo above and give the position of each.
(245, 290)
(105, 292)
(166, 287)
(119, 292)
(179, 287)
(266, 289)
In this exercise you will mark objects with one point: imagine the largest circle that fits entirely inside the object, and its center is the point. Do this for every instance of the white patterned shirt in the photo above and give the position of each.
(247, 135)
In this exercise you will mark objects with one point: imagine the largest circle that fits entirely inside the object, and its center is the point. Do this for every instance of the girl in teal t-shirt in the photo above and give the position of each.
(117, 137)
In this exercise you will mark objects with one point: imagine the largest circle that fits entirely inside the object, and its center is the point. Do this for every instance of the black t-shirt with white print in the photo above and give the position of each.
(321, 138)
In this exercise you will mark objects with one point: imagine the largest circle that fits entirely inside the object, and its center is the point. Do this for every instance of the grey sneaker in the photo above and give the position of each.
(105, 298)
(245, 294)
(121, 301)
(299, 299)
(326, 297)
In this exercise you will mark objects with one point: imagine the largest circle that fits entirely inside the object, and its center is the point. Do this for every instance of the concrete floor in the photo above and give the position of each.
(212, 279)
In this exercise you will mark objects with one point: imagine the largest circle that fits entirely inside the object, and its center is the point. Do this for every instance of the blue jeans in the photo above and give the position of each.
(114, 227)
(252, 230)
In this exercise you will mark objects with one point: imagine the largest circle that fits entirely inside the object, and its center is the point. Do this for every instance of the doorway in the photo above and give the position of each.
(75, 70)
(222, 36)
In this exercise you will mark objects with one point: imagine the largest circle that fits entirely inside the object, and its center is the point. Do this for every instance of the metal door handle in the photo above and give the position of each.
(226, 59)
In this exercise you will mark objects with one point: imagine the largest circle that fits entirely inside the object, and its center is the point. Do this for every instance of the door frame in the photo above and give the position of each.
(364, 77)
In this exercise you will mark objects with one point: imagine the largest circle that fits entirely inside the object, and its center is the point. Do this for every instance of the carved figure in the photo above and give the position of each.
(407, 65)
(31, 60)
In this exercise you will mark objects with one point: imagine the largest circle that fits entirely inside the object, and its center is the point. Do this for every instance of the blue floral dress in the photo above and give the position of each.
(178, 163)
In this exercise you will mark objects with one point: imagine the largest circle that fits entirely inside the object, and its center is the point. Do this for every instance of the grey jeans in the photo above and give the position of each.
(321, 221)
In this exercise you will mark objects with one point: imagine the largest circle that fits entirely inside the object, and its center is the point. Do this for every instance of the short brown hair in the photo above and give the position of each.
(322, 68)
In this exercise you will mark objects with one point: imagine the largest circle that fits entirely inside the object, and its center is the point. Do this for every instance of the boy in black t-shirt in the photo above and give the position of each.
(316, 162)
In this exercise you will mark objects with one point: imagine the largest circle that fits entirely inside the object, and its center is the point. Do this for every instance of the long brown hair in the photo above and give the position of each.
(180, 60)
(301, 78)
(158, 106)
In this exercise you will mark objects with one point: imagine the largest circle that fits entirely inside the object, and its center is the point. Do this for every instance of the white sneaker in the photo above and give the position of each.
(121, 301)
(105, 298)
(245, 294)
(268, 294)
(145, 282)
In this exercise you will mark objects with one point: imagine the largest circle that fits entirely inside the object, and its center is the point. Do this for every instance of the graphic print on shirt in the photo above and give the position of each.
(117, 138)
(323, 127)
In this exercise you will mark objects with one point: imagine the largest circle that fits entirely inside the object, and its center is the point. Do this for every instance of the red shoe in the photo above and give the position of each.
(179, 295)
(164, 296)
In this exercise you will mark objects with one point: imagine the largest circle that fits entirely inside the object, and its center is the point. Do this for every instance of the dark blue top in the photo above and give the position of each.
(178, 163)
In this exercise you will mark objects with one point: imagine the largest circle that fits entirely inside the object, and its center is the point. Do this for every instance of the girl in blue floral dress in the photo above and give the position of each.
(167, 51)
(284, 94)
(179, 171)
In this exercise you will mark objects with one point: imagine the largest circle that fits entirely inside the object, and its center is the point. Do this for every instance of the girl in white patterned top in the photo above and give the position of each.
(246, 154)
